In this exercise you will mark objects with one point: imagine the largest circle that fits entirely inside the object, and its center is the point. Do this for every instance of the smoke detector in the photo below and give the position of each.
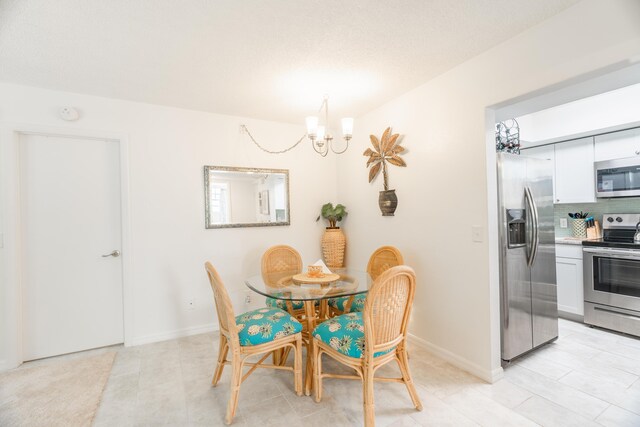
(69, 114)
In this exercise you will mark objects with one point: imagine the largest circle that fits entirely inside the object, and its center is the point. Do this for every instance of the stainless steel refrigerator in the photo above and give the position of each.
(528, 290)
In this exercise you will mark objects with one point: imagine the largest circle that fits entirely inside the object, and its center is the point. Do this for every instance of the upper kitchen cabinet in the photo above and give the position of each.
(545, 152)
(617, 145)
(574, 176)
(541, 152)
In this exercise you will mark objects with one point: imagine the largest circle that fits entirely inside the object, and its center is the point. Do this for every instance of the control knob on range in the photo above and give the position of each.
(610, 219)
(618, 219)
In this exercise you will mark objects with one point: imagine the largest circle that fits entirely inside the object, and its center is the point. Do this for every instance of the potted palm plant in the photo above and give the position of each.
(334, 242)
(385, 151)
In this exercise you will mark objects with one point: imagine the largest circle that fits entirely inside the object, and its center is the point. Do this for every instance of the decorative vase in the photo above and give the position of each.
(334, 243)
(388, 202)
(579, 228)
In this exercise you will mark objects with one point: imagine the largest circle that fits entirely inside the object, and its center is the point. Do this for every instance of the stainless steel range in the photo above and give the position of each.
(612, 275)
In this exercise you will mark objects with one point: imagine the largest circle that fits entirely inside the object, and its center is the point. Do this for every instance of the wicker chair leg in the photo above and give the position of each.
(317, 372)
(297, 366)
(222, 357)
(285, 356)
(310, 317)
(369, 408)
(403, 363)
(277, 357)
(236, 380)
(308, 379)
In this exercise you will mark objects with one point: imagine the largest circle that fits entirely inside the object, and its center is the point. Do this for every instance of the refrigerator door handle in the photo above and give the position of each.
(505, 298)
(533, 249)
(536, 228)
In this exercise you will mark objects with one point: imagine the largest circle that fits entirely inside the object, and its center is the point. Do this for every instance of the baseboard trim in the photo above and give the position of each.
(177, 333)
(570, 316)
(460, 362)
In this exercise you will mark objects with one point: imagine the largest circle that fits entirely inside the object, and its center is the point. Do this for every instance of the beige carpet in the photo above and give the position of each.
(54, 393)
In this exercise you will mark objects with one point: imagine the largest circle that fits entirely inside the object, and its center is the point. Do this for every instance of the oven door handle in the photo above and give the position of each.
(533, 209)
(613, 253)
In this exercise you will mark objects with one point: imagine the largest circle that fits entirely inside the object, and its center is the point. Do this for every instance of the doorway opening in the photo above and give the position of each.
(547, 118)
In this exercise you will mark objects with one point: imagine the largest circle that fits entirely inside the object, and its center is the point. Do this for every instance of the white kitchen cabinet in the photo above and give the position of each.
(546, 152)
(569, 276)
(574, 177)
(617, 145)
(541, 152)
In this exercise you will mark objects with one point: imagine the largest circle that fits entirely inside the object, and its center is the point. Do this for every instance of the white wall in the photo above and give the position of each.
(444, 190)
(168, 148)
(441, 194)
(618, 107)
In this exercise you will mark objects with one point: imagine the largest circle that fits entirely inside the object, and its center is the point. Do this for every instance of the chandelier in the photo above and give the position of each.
(319, 134)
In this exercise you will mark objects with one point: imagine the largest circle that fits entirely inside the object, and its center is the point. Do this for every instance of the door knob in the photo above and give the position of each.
(114, 254)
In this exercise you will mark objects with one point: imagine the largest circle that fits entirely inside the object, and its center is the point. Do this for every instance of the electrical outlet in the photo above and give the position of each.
(563, 223)
(247, 297)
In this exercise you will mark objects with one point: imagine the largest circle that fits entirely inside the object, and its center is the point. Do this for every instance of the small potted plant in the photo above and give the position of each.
(334, 242)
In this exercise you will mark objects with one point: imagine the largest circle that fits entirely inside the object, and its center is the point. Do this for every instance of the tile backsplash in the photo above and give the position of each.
(596, 210)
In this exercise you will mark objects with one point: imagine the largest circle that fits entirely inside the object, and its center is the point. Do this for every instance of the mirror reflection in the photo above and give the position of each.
(246, 197)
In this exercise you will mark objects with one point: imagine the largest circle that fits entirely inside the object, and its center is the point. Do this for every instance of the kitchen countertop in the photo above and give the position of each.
(569, 240)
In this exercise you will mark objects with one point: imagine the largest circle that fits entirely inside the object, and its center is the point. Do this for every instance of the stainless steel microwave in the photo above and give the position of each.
(618, 178)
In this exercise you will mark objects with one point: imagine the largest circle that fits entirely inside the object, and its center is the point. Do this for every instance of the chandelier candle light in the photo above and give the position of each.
(319, 134)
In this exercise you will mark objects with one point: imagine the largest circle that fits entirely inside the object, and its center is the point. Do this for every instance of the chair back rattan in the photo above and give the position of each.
(387, 309)
(279, 262)
(383, 259)
(224, 308)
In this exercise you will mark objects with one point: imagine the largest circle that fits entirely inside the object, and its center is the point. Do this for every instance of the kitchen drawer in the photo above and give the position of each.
(569, 251)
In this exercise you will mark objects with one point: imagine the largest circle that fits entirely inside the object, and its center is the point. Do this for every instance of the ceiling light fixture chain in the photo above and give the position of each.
(319, 135)
(245, 129)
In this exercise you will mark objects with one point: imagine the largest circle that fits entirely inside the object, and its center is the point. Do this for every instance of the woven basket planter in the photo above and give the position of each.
(334, 244)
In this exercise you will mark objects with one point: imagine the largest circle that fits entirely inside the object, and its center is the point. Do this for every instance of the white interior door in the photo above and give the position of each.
(70, 218)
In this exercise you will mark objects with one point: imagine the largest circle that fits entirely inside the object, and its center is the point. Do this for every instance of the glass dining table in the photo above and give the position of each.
(301, 289)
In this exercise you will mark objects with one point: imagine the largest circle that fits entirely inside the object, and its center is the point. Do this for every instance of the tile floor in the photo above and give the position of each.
(588, 377)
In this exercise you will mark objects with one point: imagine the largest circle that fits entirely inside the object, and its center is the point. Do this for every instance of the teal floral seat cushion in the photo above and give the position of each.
(282, 304)
(344, 334)
(265, 325)
(356, 306)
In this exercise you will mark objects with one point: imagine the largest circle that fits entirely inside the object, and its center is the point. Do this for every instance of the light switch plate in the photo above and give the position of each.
(476, 233)
(563, 223)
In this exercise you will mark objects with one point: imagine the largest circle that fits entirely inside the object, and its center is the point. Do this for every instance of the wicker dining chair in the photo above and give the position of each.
(279, 263)
(367, 340)
(380, 261)
(257, 332)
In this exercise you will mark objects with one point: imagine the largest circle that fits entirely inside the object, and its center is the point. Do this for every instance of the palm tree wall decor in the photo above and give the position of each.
(386, 150)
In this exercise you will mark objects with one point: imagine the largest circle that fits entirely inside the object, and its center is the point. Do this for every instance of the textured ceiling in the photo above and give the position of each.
(269, 59)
